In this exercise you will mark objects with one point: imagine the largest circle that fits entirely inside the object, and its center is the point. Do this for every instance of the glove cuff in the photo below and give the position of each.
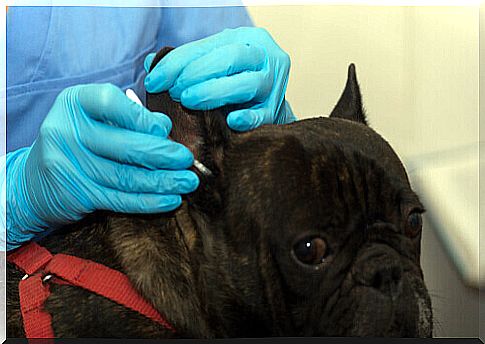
(22, 225)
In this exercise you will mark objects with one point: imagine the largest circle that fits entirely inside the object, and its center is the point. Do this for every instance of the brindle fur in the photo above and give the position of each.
(221, 264)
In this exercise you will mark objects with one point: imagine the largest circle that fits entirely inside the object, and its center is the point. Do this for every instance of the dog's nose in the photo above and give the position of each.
(380, 269)
(387, 280)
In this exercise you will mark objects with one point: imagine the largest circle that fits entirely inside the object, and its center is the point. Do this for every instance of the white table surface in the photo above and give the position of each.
(448, 185)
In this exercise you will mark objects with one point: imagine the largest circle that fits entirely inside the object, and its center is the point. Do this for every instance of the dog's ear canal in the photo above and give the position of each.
(349, 105)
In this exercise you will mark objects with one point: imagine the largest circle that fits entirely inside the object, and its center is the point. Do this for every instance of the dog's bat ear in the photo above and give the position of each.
(349, 105)
(205, 133)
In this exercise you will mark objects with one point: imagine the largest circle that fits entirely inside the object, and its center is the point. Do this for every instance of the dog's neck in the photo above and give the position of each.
(181, 264)
(232, 293)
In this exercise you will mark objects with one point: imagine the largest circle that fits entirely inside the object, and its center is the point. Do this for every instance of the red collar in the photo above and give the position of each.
(40, 265)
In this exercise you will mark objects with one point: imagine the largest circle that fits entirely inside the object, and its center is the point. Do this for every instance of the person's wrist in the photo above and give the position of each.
(22, 222)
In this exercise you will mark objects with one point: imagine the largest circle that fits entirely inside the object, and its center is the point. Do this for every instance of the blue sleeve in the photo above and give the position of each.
(181, 25)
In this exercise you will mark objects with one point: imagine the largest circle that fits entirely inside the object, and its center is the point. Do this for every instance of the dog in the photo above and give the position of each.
(304, 229)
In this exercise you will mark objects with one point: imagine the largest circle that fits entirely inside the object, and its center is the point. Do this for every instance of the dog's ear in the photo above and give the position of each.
(205, 133)
(349, 105)
(200, 131)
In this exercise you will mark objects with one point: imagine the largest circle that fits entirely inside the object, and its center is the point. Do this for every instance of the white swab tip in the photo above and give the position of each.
(201, 167)
(132, 95)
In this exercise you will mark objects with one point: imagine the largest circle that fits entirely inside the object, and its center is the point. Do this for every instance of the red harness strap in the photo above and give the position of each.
(38, 263)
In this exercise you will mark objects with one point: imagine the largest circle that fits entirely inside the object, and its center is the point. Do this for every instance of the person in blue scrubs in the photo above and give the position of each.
(76, 143)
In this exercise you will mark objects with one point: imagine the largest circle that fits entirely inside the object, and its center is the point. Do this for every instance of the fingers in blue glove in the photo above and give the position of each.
(142, 203)
(234, 89)
(129, 178)
(246, 119)
(163, 76)
(131, 147)
(138, 136)
(148, 61)
(218, 63)
(107, 103)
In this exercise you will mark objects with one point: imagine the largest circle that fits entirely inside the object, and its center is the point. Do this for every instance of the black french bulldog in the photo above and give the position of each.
(305, 229)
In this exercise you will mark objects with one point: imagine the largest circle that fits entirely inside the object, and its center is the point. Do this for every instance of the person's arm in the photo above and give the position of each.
(96, 149)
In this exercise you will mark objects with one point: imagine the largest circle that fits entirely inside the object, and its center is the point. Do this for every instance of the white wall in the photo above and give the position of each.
(417, 67)
(482, 171)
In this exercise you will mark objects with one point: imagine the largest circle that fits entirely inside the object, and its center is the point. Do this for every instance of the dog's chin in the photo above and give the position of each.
(366, 312)
(422, 299)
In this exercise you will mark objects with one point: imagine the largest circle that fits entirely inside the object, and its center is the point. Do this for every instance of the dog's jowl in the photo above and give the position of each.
(305, 229)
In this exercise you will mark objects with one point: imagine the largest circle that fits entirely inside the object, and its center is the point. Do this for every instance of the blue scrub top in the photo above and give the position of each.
(51, 48)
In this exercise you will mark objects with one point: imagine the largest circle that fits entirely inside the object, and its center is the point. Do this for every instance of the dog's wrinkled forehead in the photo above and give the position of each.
(330, 167)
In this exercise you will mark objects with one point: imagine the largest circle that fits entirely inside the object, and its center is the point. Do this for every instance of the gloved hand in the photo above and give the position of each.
(96, 149)
(234, 66)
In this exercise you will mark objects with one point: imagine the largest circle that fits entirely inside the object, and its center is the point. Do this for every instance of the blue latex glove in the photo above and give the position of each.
(234, 66)
(96, 149)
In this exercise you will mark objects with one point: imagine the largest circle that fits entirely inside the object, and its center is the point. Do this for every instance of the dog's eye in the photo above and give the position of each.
(311, 250)
(414, 224)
